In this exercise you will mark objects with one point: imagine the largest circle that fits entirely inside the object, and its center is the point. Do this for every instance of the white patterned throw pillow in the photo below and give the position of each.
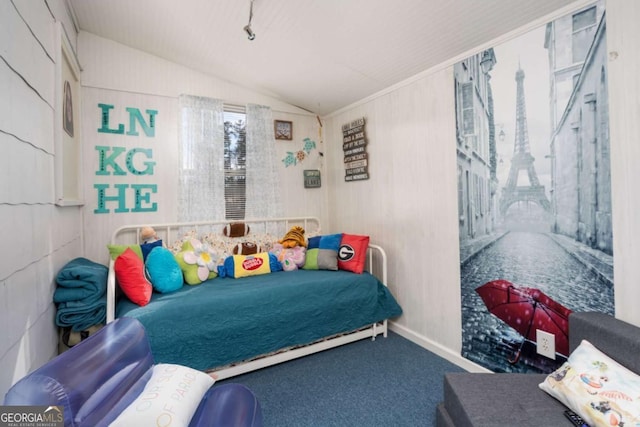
(596, 387)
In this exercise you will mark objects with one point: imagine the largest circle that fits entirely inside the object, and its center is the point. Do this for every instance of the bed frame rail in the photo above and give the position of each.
(289, 354)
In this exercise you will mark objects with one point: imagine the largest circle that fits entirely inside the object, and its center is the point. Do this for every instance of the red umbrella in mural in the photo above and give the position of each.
(526, 310)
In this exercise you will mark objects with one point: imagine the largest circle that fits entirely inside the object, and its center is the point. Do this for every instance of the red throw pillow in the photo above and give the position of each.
(352, 255)
(129, 269)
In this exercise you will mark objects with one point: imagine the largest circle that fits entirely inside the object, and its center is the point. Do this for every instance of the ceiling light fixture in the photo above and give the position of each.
(247, 28)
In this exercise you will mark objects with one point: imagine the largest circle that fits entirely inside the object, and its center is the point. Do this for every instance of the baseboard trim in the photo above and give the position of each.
(437, 348)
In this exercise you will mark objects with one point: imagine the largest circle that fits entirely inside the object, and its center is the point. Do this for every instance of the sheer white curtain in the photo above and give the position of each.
(201, 159)
(262, 179)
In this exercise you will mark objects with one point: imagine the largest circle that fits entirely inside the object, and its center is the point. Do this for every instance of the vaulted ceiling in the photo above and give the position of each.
(320, 55)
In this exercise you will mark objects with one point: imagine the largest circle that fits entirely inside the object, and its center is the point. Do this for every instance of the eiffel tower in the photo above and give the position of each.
(522, 159)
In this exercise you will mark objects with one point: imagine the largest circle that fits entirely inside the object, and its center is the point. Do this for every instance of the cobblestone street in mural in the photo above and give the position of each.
(530, 259)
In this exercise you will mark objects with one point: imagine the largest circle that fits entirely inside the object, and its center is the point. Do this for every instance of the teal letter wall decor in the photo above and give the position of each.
(111, 163)
(105, 120)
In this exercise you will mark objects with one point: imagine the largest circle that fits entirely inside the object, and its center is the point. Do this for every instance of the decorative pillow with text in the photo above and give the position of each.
(596, 387)
(170, 398)
(249, 265)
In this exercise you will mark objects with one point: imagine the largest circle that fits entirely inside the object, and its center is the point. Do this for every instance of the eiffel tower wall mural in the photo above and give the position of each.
(534, 191)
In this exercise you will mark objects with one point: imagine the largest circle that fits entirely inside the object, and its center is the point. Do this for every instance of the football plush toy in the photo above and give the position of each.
(246, 248)
(236, 229)
(294, 237)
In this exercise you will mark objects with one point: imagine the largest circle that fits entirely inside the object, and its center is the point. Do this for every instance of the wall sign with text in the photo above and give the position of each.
(312, 178)
(354, 145)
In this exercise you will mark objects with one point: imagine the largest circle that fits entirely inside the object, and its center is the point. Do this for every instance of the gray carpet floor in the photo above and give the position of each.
(387, 382)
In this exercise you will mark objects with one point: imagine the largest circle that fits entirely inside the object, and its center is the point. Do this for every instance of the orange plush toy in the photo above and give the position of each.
(294, 237)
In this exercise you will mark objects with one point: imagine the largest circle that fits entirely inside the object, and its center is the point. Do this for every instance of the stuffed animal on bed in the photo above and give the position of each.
(149, 240)
(246, 248)
(290, 258)
(148, 235)
(294, 237)
(236, 229)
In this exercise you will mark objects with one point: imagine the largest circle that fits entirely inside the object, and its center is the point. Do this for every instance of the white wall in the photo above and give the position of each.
(623, 41)
(409, 205)
(39, 238)
(117, 75)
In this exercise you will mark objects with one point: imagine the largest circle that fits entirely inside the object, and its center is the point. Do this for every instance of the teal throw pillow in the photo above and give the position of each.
(163, 270)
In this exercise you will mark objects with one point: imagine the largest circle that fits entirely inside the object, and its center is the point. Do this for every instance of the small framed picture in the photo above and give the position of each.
(283, 129)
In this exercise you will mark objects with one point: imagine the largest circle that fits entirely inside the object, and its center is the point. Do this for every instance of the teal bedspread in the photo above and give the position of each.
(227, 320)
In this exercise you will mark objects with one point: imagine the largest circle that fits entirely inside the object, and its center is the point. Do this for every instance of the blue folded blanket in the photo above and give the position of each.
(80, 294)
(81, 316)
(81, 278)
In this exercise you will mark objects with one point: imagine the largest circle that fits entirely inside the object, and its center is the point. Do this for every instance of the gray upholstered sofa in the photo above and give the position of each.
(486, 399)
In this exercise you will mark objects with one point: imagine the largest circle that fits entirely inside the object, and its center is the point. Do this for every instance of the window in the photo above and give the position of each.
(468, 124)
(228, 159)
(235, 156)
(460, 194)
(68, 148)
(477, 195)
(584, 27)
